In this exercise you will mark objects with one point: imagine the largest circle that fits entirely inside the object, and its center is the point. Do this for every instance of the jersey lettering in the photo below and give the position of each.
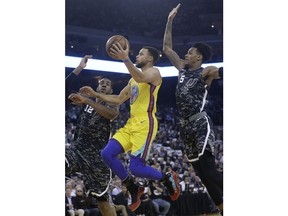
(134, 94)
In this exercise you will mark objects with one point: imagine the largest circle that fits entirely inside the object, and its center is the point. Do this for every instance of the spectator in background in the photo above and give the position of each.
(69, 204)
(186, 185)
(146, 207)
(116, 186)
(162, 152)
(123, 198)
(160, 205)
(121, 209)
(71, 185)
(198, 185)
(177, 166)
(80, 201)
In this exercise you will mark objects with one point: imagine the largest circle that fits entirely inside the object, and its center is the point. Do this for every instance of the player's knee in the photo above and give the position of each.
(103, 198)
(110, 152)
(136, 166)
(133, 170)
(106, 155)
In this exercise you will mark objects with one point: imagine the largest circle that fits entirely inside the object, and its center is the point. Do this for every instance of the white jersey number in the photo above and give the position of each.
(181, 79)
(88, 109)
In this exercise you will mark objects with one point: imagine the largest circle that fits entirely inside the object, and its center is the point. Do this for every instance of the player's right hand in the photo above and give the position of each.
(173, 12)
(87, 91)
(84, 60)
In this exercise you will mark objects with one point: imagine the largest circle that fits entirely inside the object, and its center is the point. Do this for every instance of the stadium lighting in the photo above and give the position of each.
(119, 67)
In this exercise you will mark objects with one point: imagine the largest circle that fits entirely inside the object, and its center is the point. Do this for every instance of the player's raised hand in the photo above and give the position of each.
(118, 51)
(173, 12)
(87, 91)
(77, 98)
(84, 60)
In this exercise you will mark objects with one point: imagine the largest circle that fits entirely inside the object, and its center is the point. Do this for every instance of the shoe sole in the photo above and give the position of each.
(134, 206)
(177, 192)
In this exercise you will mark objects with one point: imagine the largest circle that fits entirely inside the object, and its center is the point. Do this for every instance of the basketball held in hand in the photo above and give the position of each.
(112, 40)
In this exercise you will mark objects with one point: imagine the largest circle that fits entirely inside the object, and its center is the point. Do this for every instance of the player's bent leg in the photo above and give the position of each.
(214, 191)
(121, 209)
(106, 209)
(171, 182)
(212, 179)
(139, 168)
(109, 155)
(135, 191)
(220, 207)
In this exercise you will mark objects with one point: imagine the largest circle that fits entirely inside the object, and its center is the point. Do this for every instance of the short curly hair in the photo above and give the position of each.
(204, 49)
(153, 52)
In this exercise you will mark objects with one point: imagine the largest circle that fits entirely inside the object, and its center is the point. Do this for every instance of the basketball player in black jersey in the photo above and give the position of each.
(196, 128)
(84, 155)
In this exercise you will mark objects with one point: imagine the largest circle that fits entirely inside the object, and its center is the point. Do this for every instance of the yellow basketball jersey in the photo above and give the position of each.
(143, 98)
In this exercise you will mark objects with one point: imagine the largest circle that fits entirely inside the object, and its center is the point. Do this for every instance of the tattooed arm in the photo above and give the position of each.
(167, 41)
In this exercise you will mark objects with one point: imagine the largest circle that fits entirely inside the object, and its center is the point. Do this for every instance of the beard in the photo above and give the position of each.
(140, 65)
(186, 67)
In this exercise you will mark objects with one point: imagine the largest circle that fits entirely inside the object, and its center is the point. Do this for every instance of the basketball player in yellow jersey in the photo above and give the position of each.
(141, 128)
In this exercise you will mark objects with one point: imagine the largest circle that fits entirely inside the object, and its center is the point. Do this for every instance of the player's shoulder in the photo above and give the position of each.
(158, 77)
(156, 72)
(210, 67)
(210, 70)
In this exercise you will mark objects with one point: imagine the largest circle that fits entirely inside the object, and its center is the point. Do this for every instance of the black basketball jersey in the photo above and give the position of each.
(191, 92)
(92, 128)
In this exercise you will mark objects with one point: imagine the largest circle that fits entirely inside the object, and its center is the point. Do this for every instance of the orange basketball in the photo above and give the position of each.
(116, 38)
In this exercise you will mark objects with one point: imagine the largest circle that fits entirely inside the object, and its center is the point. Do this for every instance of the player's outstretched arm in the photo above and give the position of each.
(72, 76)
(167, 41)
(212, 72)
(123, 54)
(81, 66)
(108, 112)
(113, 99)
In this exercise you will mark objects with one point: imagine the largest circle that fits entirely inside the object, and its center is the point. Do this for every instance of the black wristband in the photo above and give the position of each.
(220, 71)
